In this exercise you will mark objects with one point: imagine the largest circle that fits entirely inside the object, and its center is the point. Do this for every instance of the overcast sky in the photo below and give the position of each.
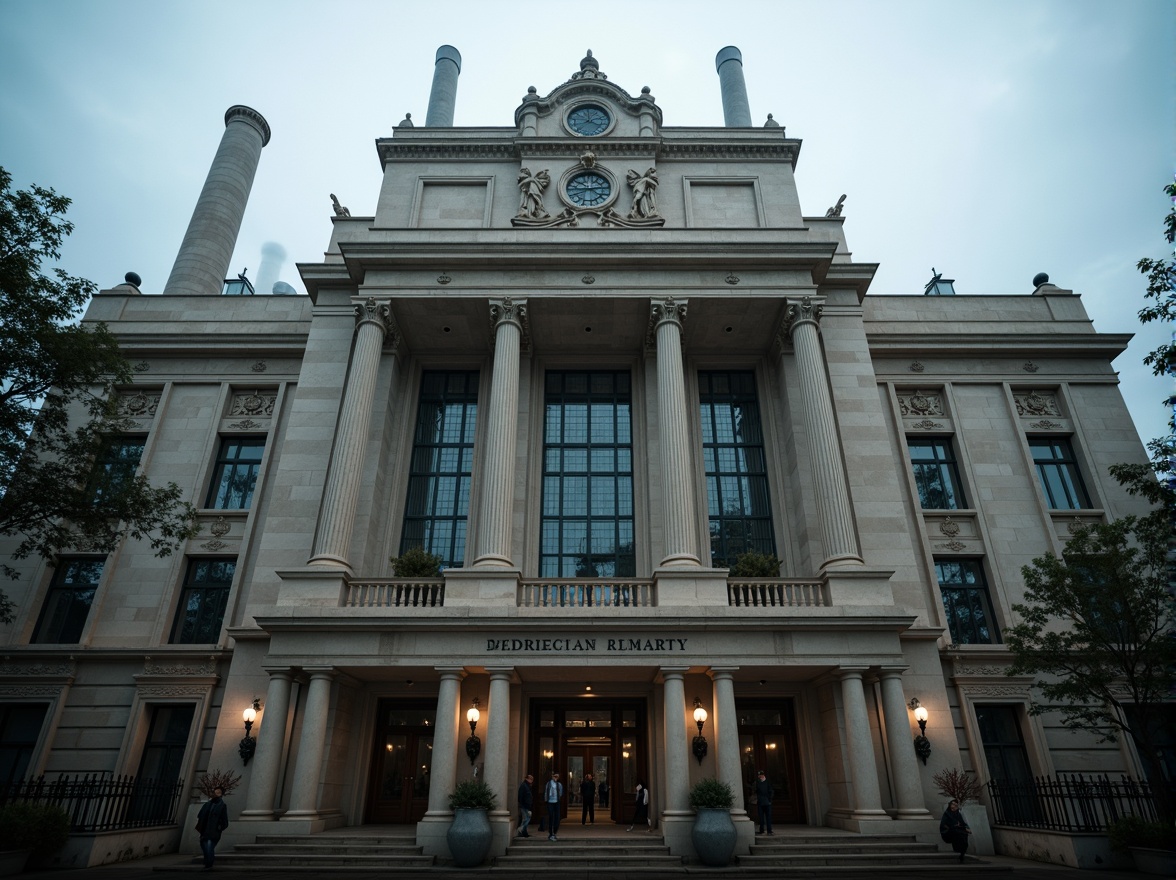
(991, 140)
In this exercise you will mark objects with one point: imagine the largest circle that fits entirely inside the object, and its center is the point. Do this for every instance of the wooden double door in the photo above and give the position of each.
(402, 762)
(767, 741)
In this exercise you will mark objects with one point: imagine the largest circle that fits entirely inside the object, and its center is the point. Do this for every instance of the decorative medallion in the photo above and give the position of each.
(732, 278)
(915, 367)
(443, 278)
(949, 527)
(1037, 403)
(1045, 425)
(140, 405)
(259, 367)
(142, 367)
(920, 404)
(253, 403)
(1030, 367)
(246, 425)
(219, 527)
(927, 425)
(589, 279)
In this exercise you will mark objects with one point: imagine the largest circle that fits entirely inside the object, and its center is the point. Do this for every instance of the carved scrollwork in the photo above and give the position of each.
(954, 546)
(200, 667)
(917, 403)
(802, 311)
(214, 545)
(253, 403)
(172, 690)
(732, 278)
(259, 367)
(246, 425)
(916, 367)
(1045, 425)
(220, 527)
(1036, 403)
(66, 669)
(139, 405)
(949, 527)
(1030, 367)
(443, 278)
(510, 311)
(927, 425)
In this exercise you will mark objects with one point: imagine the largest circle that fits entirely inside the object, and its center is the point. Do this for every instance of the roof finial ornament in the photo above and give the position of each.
(835, 211)
(406, 122)
(589, 68)
(771, 123)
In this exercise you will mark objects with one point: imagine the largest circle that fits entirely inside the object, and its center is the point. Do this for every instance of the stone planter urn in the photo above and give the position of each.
(714, 837)
(1154, 861)
(469, 837)
(12, 861)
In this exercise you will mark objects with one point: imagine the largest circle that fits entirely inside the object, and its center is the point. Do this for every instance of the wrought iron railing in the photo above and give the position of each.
(586, 593)
(98, 802)
(396, 593)
(774, 592)
(1069, 803)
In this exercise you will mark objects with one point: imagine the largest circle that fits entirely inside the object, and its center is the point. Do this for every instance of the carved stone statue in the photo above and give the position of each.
(531, 188)
(835, 211)
(644, 194)
(340, 210)
(406, 122)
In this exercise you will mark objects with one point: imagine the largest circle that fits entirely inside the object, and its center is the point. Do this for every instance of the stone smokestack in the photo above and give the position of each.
(203, 260)
(443, 96)
(736, 111)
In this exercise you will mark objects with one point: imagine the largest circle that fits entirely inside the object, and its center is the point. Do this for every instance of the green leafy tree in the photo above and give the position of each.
(58, 410)
(1098, 629)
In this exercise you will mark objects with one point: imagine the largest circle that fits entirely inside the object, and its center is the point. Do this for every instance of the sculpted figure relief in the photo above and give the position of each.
(531, 188)
(644, 192)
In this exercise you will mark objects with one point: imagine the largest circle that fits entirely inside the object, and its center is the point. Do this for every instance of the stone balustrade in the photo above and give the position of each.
(774, 592)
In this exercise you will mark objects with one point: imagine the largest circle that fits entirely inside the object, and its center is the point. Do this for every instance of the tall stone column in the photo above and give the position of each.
(832, 491)
(267, 763)
(203, 259)
(312, 746)
(904, 766)
(677, 742)
(666, 318)
(509, 317)
(498, 751)
(443, 775)
(726, 721)
(866, 796)
(332, 542)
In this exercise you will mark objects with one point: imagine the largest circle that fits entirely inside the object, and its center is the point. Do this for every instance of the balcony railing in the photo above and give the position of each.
(586, 594)
(396, 593)
(1074, 803)
(773, 592)
(98, 802)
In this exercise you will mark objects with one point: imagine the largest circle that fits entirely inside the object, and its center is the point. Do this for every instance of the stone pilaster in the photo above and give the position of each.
(730, 766)
(332, 541)
(867, 798)
(443, 776)
(666, 318)
(271, 736)
(508, 317)
(832, 491)
(312, 747)
(904, 766)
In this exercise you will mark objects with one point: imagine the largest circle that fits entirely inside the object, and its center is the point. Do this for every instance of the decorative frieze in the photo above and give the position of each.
(259, 404)
(65, 668)
(205, 666)
(172, 690)
(139, 404)
(1036, 403)
(920, 403)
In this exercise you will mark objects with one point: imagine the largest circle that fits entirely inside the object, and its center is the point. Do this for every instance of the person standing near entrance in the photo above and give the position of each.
(552, 795)
(212, 819)
(526, 799)
(588, 796)
(602, 790)
(763, 802)
(642, 812)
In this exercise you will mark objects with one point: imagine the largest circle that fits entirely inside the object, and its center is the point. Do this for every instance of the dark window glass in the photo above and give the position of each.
(587, 515)
(115, 465)
(739, 506)
(1058, 470)
(68, 601)
(20, 729)
(967, 603)
(162, 761)
(937, 476)
(438, 502)
(203, 601)
(1004, 748)
(237, 466)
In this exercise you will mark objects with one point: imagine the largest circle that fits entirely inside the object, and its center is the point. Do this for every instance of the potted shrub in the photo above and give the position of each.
(714, 834)
(37, 830)
(756, 565)
(1152, 844)
(469, 836)
(416, 562)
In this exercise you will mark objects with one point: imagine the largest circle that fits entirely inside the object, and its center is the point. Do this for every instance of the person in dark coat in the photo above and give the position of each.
(526, 799)
(641, 814)
(212, 819)
(602, 790)
(954, 829)
(763, 802)
(588, 798)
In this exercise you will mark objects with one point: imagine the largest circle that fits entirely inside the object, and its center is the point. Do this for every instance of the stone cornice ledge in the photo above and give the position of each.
(1011, 344)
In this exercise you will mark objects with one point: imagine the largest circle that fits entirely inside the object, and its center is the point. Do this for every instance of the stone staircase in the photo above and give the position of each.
(626, 855)
(815, 855)
(329, 854)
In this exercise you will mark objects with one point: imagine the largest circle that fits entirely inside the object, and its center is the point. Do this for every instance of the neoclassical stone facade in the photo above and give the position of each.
(589, 403)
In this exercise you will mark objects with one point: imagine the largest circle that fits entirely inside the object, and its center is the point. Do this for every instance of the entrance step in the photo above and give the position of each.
(600, 856)
(328, 854)
(837, 854)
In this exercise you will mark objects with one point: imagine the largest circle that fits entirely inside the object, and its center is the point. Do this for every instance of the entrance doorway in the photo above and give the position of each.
(402, 760)
(767, 741)
(577, 737)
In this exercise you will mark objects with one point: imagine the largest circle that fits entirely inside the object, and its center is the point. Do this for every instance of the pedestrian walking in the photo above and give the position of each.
(212, 819)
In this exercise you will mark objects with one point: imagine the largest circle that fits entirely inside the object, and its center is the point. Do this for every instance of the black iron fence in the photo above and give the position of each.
(98, 802)
(1069, 803)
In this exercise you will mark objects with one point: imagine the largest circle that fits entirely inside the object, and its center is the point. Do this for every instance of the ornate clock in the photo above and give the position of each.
(588, 190)
(588, 120)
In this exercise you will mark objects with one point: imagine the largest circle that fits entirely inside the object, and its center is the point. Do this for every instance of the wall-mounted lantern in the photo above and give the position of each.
(473, 744)
(699, 747)
(249, 744)
(922, 744)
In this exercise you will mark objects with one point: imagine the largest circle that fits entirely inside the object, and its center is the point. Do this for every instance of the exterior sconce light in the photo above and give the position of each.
(249, 744)
(473, 744)
(922, 744)
(699, 747)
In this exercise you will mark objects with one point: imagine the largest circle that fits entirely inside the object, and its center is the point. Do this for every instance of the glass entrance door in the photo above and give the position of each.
(767, 741)
(582, 760)
(401, 764)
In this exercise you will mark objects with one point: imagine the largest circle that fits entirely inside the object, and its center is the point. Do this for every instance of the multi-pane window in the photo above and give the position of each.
(1004, 748)
(115, 465)
(587, 514)
(966, 602)
(1058, 470)
(67, 604)
(738, 505)
(235, 477)
(937, 477)
(438, 503)
(203, 601)
(162, 762)
(20, 728)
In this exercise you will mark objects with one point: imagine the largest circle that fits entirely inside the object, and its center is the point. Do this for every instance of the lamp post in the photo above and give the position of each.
(699, 748)
(922, 744)
(249, 745)
(473, 744)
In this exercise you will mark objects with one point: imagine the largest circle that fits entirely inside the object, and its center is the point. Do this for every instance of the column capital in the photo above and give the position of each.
(891, 671)
(509, 310)
(850, 672)
(453, 673)
(726, 673)
(377, 312)
(802, 310)
(677, 673)
(501, 673)
(664, 310)
(279, 672)
(321, 672)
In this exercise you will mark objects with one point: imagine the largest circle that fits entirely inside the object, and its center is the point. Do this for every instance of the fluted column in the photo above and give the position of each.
(203, 259)
(666, 319)
(508, 317)
(498, 736)
(332, 542)
(443, 775)
(677, 741)
(726, 721)
(837, 527)
(904, 767)
(271, 736)
(312, 746)
(867, 799)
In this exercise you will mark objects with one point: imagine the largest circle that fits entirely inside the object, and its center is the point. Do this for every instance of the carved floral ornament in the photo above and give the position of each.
(253, 403)
(509, 310)
(1036, 403)
(802, 311)
(919, 403)
(206, 666)
(139, 405)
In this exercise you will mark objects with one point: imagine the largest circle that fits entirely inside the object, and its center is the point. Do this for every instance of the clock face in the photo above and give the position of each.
(588, 120)
(588, 190)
